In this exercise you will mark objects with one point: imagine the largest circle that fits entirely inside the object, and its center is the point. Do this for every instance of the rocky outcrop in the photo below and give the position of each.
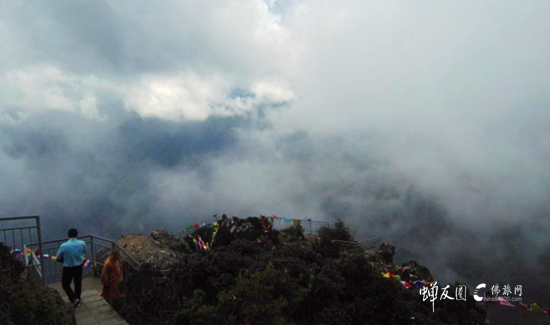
(386, 251)
(163, 238)
(160, 248)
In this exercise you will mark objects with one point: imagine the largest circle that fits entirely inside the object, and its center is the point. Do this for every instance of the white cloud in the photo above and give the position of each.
(46, 87)
(37, 88)
(452, 91)
(185, 96)
(88, 107)
(188, 96)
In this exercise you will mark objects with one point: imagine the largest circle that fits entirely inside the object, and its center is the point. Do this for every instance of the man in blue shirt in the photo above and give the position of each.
(72, 254)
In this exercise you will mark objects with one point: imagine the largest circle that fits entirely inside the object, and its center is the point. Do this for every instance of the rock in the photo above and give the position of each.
(423, 273)
(387, 251)
(161, 249)
(163, 238)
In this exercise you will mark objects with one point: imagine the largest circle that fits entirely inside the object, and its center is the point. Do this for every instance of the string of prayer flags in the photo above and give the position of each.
(234, 226)
(535, 307)
(21, 252)
(506, 303)
(17, 251)
(517, 304)
(521, 305)
(408, 285)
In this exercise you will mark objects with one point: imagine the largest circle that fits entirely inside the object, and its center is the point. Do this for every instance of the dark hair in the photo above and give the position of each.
(73, 233)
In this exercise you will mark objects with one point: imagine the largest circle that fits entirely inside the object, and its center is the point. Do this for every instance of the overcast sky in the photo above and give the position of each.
(394, 115)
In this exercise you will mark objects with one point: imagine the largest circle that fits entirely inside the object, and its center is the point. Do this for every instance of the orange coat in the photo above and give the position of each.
(111, 276)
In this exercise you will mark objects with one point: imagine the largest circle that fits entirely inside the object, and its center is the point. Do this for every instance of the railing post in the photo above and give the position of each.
(93, 253)
(25, 255)
(42, 268)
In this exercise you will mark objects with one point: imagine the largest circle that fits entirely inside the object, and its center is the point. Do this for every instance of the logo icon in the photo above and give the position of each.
(476, 297)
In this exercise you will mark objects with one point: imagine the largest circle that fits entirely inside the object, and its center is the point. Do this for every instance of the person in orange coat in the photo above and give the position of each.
(111, 276)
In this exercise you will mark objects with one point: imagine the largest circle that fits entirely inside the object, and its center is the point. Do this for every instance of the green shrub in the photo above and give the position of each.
(246, 281)
(22, 302)
(338, 232)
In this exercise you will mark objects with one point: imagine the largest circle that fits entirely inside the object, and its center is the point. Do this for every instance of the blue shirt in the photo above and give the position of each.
(72, 252)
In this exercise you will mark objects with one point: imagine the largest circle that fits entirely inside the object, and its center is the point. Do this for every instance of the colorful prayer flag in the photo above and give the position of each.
(535, 307)
(86, 263)
(419, 284)
(520, 305)
(407, 284)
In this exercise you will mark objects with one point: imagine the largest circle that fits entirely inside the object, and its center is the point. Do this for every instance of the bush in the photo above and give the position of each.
(338, 232)
(22, 302)
(246, 281)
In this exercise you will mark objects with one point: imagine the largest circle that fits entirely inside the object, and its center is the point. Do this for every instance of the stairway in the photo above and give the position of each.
(94, 309)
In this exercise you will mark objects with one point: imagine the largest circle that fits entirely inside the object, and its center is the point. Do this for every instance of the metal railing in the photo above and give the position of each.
(365, 244)
(363, 240)
(311, 227)
(16, 237)
(97, 250)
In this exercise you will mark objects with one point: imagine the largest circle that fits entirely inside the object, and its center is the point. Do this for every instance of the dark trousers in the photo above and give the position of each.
(70, 273)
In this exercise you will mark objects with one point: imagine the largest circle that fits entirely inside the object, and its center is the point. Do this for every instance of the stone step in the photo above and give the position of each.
(94, 309)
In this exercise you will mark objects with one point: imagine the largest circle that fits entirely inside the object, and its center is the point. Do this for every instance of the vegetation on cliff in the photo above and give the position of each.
(261, 276)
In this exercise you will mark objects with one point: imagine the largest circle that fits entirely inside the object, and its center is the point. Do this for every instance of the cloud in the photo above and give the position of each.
(36, 89)
(190, 97)
(424, 122)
